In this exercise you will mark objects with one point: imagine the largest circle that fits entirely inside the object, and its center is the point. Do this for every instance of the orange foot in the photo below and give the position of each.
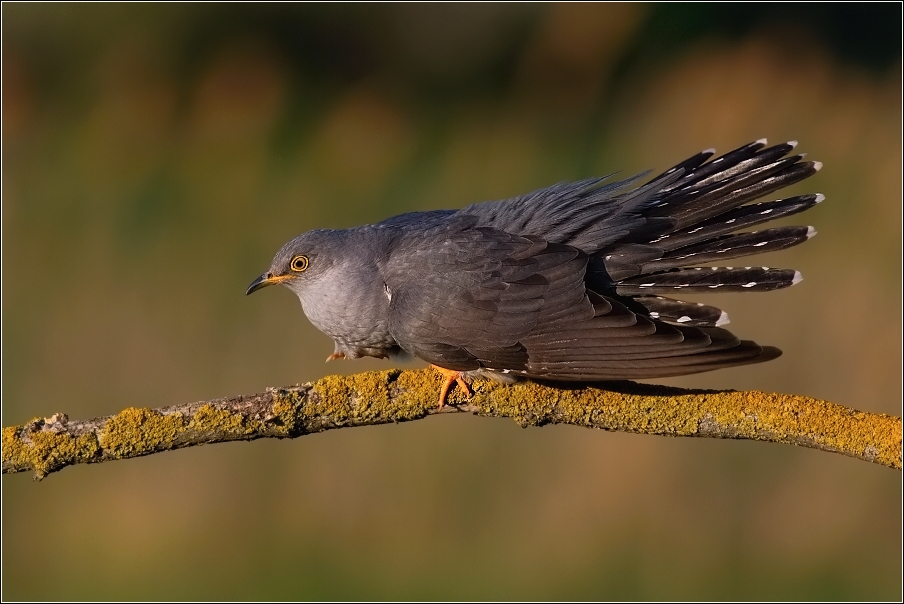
(452, 377)
(335, 356)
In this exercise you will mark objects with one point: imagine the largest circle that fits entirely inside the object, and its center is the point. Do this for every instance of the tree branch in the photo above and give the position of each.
(48, 445)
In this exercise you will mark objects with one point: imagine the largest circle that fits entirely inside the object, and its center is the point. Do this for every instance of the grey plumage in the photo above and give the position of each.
(563, 283)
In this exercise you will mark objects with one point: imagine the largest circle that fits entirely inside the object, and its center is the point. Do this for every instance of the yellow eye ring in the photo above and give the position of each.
(299, 264)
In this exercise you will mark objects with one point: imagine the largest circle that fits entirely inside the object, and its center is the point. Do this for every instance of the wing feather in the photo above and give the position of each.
(521, 305)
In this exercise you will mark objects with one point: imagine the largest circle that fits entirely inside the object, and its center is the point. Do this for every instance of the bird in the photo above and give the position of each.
(576, 282)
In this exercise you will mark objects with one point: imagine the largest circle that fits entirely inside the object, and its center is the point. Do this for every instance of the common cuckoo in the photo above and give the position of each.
(574, 282)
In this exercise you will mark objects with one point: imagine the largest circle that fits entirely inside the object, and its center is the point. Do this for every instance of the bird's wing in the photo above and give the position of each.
(465, 297)
(585, 214)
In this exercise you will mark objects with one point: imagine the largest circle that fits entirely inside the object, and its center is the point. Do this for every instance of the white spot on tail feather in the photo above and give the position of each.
(797, 278)
(761, 141)
(819, 197)
(760, 244)
(751, 284)
(683, 319)
(810, 232)
(792, 144)
(723, 319)
(817, 165)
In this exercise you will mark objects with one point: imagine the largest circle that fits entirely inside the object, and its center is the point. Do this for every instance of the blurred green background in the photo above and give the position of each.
(156, 156)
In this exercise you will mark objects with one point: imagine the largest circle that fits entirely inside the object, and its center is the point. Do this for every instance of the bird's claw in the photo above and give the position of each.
(451, 377)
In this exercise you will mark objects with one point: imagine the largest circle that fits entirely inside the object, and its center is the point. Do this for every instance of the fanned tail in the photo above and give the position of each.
(698, 218)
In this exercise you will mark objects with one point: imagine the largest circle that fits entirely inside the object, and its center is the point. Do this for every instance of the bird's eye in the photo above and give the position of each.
(299, 263)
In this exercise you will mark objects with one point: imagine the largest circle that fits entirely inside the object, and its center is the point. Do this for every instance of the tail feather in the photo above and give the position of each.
(687, 166)
(708, 280)
(763, 158)
(731, 246)
(694, 314)
(715, 186)
(739, 218)
(731, 158)
(697, 205)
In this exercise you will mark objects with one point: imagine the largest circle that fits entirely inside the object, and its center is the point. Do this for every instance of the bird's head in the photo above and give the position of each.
(301, 261)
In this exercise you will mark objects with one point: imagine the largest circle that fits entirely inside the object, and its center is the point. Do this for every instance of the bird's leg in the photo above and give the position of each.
(451, 377)
(337, 353)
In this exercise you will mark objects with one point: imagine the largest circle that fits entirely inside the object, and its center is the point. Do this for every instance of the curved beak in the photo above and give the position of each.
(259, 283)
(265, 280)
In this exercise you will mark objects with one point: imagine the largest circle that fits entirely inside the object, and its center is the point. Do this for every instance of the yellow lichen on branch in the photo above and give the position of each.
(47, 445)
(134, 432)
(749, 415)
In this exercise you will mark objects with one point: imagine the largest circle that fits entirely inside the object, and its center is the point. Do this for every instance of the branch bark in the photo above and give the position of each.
(47, 445)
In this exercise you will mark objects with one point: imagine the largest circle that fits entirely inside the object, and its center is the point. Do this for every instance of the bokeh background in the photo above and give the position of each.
(156, 156)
